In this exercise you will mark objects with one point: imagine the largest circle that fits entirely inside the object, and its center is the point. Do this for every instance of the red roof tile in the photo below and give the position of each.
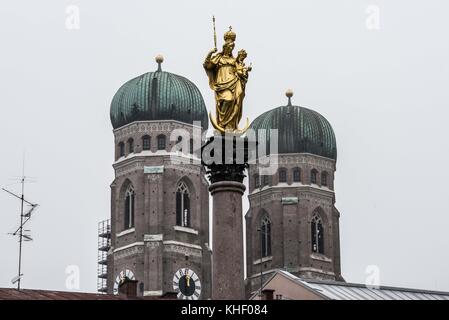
(27, 294)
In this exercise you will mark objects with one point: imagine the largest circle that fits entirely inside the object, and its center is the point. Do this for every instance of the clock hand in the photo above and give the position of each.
(188, 280)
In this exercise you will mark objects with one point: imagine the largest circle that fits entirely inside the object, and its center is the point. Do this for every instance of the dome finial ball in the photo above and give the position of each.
(159, 58)
(289, 93)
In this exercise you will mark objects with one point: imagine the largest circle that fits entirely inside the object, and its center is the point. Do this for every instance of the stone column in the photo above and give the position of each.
(226, 173)
(227, 240)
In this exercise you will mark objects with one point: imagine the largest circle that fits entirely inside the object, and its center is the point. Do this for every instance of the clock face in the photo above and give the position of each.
(187, 284)
(122, 275)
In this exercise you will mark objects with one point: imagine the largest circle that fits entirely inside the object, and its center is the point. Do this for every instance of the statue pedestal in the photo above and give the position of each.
(227, 190)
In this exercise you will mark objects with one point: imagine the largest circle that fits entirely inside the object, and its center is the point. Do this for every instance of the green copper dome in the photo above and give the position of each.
(158, 95)
(300, 130)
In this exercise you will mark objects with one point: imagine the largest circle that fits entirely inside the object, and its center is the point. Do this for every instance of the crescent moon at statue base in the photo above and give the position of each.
(222, 130)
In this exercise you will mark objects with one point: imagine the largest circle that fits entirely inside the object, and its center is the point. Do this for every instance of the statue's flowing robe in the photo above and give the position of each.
(228, 88)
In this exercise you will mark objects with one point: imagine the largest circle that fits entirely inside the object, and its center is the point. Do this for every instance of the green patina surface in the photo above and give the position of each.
(158, 95)
(300, 130)
(153, 169)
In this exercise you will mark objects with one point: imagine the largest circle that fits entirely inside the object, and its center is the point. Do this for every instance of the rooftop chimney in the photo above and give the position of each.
(267, 294)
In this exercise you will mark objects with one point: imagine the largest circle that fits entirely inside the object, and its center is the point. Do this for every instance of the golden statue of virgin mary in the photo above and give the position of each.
(227, 78)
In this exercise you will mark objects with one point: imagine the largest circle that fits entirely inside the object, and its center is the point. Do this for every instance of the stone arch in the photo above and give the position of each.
(189, 184)
(319, 211)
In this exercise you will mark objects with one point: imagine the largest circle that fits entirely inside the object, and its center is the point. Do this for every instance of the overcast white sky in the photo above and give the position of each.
(385, 92)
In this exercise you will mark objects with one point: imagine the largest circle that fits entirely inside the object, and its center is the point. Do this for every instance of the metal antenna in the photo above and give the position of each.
(24, 218)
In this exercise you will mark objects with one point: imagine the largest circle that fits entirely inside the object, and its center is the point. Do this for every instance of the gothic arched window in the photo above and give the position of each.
(265, 236)
(130, 145)
(121, 147)
(129, 207)
(296, 175)
(182, 205)
(146, 142)
(282, 175)
(324, 178)
(317, 234)
(161, 142)
(313, 176)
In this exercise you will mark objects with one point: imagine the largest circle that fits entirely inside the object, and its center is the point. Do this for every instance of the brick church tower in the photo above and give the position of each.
(292, 222)
(159, 207)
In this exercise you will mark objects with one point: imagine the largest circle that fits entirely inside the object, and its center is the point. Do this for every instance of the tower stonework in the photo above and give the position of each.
(290, 207)
(159, 197)
(156, 245)
(292, 222)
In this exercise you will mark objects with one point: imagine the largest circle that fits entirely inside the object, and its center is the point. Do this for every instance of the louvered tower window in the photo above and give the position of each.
(317, 234)
(129, 207)
(282, 175)
(296, 175)
(130, 146)
(324, 178)
(161, 142)
(146, 142)
(182, 205)
(313, 176)
(121, 147)
(265, 237)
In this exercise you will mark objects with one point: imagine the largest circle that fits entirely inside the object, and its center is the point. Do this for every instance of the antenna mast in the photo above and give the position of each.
(24, 218)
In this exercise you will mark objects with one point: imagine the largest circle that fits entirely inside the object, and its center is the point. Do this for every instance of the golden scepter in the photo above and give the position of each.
(215, 33)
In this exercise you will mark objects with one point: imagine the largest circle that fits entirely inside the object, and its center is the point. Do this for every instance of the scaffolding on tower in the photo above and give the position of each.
(104, 245)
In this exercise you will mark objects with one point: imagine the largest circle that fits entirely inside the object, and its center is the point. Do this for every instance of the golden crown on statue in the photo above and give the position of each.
(229, 36)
